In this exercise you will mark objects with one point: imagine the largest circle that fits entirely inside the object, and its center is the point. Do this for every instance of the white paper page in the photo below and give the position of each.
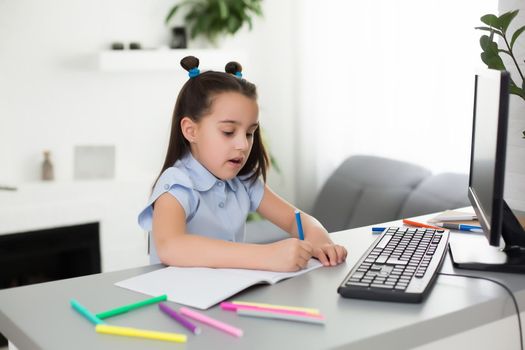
(274, 277)
(202, 287)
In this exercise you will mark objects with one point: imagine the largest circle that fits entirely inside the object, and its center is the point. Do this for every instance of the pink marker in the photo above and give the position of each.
(211, 322)
(236, 307)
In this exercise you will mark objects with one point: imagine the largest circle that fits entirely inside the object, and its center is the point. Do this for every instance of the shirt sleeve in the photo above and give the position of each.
(179, 185)
(255, 192)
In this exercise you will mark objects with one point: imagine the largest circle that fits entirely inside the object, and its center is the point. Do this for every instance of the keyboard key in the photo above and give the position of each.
(393, 261)
(382, 259)
(358, 275)
(384, 241)
(358, 284)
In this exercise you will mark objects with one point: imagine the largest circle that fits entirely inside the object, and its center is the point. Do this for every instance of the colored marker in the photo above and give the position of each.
(299, 224)
(237, 332)
(420, 224)
(235, 307)
(461, 227)
(283, 307)
(85, 312)
(140, 333)
(184, 322)
(287, 317)
(126, 308)
(378, 229)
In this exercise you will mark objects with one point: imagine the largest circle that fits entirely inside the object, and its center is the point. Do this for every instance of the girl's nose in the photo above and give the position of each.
(242, 143)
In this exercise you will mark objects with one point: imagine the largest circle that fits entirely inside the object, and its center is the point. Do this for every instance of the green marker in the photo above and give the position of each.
(126, 308)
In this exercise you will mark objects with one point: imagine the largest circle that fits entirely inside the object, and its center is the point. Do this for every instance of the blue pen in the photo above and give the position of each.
(378, 229)
(461, 227)
(299, 224)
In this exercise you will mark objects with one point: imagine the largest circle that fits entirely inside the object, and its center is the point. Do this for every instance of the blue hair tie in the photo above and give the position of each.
(238, 74)
(194, 72)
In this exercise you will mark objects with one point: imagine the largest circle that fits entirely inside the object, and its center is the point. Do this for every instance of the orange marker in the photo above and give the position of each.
(420, 224)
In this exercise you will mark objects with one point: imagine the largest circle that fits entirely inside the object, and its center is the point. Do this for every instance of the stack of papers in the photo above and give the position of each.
(456, 217)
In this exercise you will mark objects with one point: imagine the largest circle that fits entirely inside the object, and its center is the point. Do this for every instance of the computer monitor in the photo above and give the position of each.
(486, 181)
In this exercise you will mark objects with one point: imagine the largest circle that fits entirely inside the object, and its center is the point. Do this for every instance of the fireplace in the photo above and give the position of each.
(48, 255)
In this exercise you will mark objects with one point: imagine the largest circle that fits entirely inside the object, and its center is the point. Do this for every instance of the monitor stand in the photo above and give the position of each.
(470, 255)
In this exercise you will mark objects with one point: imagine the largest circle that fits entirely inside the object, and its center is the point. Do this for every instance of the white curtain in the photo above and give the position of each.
(388, 78)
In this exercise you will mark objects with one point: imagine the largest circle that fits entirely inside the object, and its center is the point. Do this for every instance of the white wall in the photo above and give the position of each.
(53, 96)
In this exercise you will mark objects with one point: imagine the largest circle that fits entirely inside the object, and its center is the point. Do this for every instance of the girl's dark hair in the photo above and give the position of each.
(194, 101)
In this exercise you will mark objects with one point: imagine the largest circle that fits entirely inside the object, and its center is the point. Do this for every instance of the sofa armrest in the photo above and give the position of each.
(437, 193)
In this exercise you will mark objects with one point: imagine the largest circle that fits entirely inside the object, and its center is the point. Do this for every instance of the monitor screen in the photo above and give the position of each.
(489, 139)
(486, 183)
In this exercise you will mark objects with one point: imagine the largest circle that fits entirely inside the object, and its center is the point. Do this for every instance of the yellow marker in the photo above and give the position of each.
(296, 308)
(140, 333)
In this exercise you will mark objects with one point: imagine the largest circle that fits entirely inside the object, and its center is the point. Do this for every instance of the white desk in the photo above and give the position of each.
(39, 316)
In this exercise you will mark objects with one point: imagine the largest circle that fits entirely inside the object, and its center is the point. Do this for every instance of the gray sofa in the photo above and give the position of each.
(366, 190)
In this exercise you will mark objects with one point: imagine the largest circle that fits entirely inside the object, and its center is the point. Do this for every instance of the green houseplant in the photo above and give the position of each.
(491, 51)
(214, 18)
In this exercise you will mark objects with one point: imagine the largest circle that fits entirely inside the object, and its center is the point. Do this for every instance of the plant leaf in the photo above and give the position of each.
(515, 36)
(492, 61)
(274, 164)
(223, 9)
(505, 19)
(485, 42)
(513, 89)
(172, 12)
(489, 29)
(490, 20)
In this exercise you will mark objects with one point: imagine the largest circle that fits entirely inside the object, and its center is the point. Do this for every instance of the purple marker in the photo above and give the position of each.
(184, 322)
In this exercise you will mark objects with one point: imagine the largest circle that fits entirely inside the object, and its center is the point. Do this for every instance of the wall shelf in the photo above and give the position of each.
(164, 59)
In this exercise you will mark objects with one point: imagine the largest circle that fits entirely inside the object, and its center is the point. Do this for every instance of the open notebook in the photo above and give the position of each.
(191, 285)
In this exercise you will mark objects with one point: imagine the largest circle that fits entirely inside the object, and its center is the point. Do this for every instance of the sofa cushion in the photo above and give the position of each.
(365, 190)
(437, 193)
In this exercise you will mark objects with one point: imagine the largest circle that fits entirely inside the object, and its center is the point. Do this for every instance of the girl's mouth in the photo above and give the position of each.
(235, 161)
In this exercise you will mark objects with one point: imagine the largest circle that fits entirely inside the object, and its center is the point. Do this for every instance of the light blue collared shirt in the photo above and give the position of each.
(214, 208)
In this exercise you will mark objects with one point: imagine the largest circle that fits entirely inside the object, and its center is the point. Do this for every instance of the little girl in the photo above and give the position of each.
(211, 180)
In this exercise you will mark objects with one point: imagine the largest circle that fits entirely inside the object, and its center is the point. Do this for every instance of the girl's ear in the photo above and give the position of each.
(189, 129)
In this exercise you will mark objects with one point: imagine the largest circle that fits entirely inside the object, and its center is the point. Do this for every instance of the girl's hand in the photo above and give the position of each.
(330, 254)
(289, 255)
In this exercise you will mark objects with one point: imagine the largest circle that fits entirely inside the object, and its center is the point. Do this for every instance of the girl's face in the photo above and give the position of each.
(222, 140)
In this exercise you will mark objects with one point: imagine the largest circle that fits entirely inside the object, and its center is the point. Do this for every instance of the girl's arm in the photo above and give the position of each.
(176, 247)
(282, 214)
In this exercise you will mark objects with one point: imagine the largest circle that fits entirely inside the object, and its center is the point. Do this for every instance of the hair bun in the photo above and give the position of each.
(233, 67)
(189, 62)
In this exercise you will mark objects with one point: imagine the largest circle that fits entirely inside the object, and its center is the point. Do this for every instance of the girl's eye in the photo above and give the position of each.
(228, 133)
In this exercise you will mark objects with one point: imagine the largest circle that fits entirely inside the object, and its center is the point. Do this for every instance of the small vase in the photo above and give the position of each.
(47, 167)
(178, 38)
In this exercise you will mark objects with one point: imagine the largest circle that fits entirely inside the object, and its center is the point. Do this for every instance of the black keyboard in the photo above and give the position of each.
(401, 265)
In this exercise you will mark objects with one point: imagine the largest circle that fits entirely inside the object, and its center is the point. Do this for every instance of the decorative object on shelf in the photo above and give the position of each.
(135, 46)
(491, 51)
(178, 38)
(214, 18)
(47, 167)
(117, 46)
(94, 162)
